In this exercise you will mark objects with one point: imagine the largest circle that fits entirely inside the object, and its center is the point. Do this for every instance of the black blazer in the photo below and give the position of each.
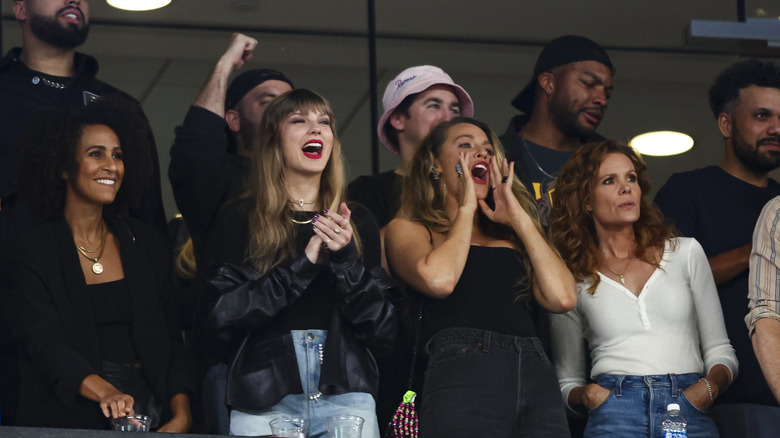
(50, 311)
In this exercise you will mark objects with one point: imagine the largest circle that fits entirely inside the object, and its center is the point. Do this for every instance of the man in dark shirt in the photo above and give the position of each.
(415, 101)
(210, 156)
(562, 106)
(719, 206)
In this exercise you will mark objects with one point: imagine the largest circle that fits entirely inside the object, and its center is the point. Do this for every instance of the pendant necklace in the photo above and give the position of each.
(622, 279)
(97, 267)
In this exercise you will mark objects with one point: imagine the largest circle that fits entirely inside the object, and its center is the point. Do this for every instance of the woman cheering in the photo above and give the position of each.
(468, 239)
(304, 315)
(647, 303)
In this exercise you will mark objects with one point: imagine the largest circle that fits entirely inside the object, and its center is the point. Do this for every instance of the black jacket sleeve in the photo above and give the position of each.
(363, 301)
(31, 311)
(199, 171)
(248, 300)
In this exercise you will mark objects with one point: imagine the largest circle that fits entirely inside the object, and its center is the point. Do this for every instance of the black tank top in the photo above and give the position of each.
(492, 294)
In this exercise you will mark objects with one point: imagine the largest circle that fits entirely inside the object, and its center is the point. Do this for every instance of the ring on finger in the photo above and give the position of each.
(504, 179)
(337, 230)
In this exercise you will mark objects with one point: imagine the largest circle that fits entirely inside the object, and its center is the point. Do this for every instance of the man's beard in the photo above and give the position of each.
(750, 155)
(246, 134)
(50, 31)
(566, 119)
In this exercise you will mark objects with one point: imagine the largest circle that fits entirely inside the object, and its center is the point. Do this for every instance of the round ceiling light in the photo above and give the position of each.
(138, 5)
(662, 143)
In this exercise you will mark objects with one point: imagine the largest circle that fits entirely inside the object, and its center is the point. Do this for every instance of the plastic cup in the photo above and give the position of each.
(131, 423)
(345, 426)
(289, 427)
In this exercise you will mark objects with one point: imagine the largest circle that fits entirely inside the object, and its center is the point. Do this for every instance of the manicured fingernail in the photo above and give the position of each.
(316, 216)
(324, 211)
(313, 221)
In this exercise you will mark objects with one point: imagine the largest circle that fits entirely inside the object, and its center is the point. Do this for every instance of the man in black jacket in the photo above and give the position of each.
(210, 156)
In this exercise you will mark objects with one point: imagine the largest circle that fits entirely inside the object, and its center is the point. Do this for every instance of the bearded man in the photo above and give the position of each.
(719, 206)
(562, 105)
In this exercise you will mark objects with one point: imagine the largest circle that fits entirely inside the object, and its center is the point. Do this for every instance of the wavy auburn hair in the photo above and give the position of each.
(571, 226)
(423, 196)
(272, 233)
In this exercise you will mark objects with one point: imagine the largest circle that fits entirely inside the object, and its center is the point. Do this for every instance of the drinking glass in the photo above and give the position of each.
(289, 427)
(131, 423)
(345, 426)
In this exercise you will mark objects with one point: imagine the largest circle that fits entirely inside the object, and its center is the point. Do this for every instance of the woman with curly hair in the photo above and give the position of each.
(304, 315)
(86, 286)
(468, 239)
(647, 303)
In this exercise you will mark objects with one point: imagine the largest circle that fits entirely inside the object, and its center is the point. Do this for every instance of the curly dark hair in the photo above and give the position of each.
(724, 94)
(49, 147)
(571, 227)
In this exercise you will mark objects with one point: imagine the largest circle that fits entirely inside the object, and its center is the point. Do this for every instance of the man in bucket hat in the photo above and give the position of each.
(562, 106)
(415, 101)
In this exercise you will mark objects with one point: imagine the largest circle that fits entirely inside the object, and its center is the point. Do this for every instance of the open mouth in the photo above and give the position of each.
(72, 15)
(106, 181)
(313, 149)
(480, 173)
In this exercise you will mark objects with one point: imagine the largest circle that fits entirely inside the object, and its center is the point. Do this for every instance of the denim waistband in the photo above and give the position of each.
(486, 339)
(675, 382)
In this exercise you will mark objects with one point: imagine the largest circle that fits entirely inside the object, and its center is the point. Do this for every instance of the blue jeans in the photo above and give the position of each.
(311, 405)
(637, 405)
(216, 416)
(486, 384)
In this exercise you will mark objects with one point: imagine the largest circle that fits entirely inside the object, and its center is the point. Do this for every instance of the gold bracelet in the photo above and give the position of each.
(709, 387)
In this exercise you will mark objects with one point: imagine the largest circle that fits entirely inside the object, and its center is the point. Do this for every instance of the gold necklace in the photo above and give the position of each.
(300, 222)
(97, 267)
(622, 279)
(301, 202)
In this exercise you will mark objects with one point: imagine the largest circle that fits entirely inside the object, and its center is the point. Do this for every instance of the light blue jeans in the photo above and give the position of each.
(311, 405)
(637, 405)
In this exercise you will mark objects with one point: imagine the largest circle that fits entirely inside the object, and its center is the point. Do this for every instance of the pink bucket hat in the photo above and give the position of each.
(416, 80)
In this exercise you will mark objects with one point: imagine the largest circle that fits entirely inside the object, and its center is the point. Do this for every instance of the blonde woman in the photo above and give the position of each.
(468, 239)
(299, 305)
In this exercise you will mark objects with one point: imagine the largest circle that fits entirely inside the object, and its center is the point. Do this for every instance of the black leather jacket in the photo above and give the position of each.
(264, 370)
